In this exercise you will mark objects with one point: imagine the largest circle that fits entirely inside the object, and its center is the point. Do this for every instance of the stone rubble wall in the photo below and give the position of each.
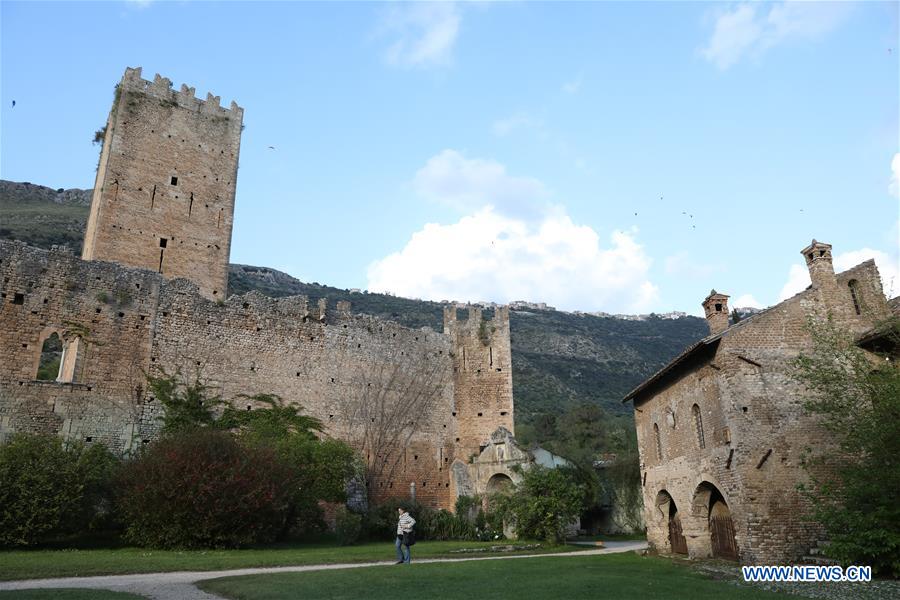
(133, 321)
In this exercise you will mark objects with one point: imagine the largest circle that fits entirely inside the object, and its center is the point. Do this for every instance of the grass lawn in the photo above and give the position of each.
(607, 576)
(67, 594)
(39, 564)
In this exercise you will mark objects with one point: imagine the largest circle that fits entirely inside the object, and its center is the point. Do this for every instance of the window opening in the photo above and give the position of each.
(659, 454)
(698, 426)
(51, 359)
(852, 284)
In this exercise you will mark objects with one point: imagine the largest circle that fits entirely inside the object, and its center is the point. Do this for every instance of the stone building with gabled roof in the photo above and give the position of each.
(722, 429)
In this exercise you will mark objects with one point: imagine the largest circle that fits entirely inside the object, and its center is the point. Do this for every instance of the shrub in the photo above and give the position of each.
(97, 469)
(348, 527)
(46, 489)
(204, 489)
(544, 504)
(322, 467)
(381, 522)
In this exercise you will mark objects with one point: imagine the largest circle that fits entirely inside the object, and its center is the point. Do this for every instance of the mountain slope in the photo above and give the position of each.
(42, 216)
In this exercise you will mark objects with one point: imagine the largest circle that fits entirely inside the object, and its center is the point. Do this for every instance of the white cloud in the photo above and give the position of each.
(798, 275)
(520, 120)
(574, 86)
(488, 256)
(797, 281)
(746, 31)
(467, 184)
(894, 185)
(424, 33)
(746, 301)
(511, 245)
(681, 265)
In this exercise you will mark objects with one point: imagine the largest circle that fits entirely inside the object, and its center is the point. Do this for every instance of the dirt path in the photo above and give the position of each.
(180, 584)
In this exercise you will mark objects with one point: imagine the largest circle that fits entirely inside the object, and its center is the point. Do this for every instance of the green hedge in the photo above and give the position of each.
(48, 490)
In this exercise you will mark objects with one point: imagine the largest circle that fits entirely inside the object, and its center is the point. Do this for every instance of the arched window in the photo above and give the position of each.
(854, 293)
(698, 426)
(659, 454)
(51, 358)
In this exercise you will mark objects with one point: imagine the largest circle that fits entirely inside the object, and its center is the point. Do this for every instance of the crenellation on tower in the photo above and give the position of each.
(483, 396)
(165, 190)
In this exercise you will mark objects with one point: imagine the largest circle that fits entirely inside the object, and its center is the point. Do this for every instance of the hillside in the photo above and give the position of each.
(559, 359)
(42, 216)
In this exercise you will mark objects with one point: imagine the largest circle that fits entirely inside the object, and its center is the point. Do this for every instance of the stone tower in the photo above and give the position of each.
(164, 195)
(482, 373)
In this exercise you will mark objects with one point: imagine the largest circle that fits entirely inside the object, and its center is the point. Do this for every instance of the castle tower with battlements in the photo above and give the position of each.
(164, 195)
(482, 375)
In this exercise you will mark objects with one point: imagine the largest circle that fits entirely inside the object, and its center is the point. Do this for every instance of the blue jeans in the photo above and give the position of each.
(402, 551)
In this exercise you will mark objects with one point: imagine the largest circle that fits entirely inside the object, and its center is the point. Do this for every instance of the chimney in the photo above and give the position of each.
(716, 308)
(818, 261)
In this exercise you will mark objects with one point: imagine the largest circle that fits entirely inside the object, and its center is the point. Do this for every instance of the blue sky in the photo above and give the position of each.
(620, 157)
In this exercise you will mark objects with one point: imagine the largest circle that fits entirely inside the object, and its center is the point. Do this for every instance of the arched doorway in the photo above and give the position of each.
(669, 511)
(499, 482)
(712, 503)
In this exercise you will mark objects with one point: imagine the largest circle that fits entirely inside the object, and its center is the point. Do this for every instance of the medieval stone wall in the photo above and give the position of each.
(754, 428)
(482, 376)
(105, 314)
(164, 195)
(120, 323)
(412, 400)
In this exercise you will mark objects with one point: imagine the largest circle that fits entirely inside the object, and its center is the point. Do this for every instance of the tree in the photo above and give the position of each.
(387, 404)
(853, 483)
(275, 422)
(188, 404)
(543, 505)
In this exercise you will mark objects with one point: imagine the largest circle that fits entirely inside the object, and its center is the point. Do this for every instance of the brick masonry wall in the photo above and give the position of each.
(482, 377)
(754, 425)
(164, 194)
(133, 321)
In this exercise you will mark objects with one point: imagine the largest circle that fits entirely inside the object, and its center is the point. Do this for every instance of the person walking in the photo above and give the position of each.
(404, 533)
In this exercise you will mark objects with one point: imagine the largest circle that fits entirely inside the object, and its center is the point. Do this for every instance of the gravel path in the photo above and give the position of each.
(180, 585)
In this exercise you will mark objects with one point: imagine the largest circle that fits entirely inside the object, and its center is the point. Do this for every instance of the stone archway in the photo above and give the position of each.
(669, 511)
(499, 482)
(710, 506)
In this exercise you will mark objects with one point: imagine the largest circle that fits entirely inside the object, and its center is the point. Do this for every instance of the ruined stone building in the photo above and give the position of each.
(149, 295)
(722, 430)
